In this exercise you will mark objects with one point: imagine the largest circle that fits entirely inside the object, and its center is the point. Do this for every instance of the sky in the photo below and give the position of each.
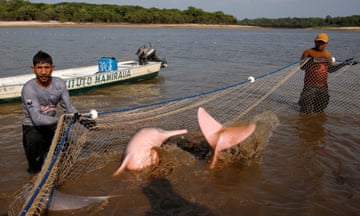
(242, 9)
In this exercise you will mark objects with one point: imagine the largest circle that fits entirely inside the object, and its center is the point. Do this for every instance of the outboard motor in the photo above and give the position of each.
(148, 53)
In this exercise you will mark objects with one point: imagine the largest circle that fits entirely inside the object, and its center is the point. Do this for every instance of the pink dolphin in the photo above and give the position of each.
(221, 137)
(140, 152)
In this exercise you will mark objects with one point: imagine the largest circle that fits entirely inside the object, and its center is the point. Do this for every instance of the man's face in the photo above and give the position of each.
(320, 45)
(43, 72)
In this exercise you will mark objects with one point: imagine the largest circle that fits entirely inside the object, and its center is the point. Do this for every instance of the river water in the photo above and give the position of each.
(304, 172)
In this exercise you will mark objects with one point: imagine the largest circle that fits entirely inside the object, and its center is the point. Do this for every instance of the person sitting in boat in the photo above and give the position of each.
(40, 97)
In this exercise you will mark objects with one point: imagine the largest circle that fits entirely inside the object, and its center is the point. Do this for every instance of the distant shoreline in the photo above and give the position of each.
(39, 24)
(116, 25)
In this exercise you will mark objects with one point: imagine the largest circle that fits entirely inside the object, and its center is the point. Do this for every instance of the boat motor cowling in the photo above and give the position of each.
(147, 53)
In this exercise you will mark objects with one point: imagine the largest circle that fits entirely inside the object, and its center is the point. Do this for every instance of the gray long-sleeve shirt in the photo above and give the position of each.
(39, 104)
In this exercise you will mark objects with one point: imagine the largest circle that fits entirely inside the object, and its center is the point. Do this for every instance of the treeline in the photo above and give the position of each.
(328, 21)
(23, 10)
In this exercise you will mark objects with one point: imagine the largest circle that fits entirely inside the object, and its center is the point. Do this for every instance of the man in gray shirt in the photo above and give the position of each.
(40, 97)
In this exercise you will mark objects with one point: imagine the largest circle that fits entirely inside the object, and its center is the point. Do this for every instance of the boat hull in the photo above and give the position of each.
(83, 79)
(118, 82)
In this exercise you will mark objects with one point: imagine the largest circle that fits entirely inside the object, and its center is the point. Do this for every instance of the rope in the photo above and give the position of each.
(162, 102)
(49, 169)
(268, 93)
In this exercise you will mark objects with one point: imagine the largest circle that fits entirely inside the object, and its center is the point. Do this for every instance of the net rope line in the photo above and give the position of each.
(76, 151)
(198, 103)
(269, 92)
(53, 162)
(54, 159)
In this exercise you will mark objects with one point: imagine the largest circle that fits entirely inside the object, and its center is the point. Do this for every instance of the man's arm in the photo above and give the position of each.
(335, 67)
(65, 101)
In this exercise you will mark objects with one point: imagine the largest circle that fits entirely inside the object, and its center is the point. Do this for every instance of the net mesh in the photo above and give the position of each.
(77, 150)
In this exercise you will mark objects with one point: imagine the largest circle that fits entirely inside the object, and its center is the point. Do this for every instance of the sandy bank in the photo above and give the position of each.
(18, 24)
(116, 25)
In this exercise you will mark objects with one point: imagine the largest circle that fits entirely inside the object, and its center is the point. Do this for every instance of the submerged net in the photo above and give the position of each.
(77, 150)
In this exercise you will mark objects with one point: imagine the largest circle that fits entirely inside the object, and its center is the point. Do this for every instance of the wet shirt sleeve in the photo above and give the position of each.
(65, 101)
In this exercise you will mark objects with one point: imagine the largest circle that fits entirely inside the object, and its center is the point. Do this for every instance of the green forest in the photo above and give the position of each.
(328, 21)
(23, 10)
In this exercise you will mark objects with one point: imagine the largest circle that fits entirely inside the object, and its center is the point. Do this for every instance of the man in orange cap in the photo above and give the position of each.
(317, 63)
(315, 96)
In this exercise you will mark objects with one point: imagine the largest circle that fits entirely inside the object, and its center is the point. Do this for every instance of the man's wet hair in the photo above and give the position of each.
(42, 57)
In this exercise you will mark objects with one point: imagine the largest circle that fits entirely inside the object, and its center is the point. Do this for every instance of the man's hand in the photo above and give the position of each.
(77, 116)
(350, 61)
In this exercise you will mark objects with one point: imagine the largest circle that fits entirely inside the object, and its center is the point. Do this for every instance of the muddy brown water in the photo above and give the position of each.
(310, 166)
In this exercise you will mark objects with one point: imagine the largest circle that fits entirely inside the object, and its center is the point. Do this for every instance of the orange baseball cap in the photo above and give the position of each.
(322, 37)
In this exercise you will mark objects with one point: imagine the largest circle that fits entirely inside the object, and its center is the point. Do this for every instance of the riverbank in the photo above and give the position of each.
(116, 25)
(24, 24)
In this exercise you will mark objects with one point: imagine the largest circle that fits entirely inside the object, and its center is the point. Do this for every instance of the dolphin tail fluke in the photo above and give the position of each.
(209, 127)
(231, 136)
(123, 166)
(214, 160)
(221, 137)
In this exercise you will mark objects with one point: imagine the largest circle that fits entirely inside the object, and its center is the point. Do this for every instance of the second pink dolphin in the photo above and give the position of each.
(221, 137)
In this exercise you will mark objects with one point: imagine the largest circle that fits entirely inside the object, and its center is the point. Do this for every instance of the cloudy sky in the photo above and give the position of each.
(242, 9)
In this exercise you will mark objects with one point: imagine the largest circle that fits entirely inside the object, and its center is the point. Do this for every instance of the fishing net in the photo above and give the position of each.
(77, 150)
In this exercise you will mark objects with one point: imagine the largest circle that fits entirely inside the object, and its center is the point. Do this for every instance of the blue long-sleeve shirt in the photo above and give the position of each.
(39, 104)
